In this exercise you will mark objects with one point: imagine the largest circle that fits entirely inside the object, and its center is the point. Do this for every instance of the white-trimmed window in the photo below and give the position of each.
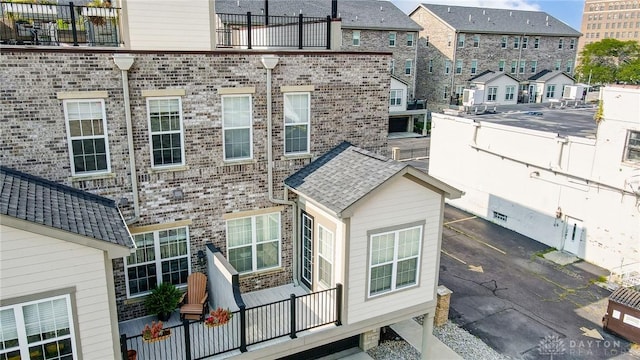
(41, 329)
(392, 66)
(492, 93)
(445, 93)
(237, 136)
(410, 39)
(514, 66)
(558, 65)
(87, 130)
(501, 65)
(392, 39)
(525, 42)
(297, 117)
(523, 65)
(534, 66)
(632, 150)
(355, 38)
(395, 98)
(569, 66)
(459, 66)
(165, 124)
(503, 42)
(408, 66)
(160, 256)
(572, 42)
(516, 42)
(509, 92)
(560, 43)
(430, 66)
(474, 66)
(461, 38)
(253, 243)
(325, 256)
(394, 260)
(551, 91)
(476, 41)
(536, 43)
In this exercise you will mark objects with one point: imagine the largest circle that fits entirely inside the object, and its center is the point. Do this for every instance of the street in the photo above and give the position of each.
(519, 303)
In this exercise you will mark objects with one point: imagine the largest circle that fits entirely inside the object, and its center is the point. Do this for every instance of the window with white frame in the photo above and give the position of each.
(525, 42)
(572, 42)
(236, 127)
(461, 40)
(632, 150)
(459, 91)
(165, 124)
(355, 37)
(392, 66)
(509, 92)
(536, 43)
(408, 66)
(41, 329)
(501, 65)
(394, 260)
(430, 66)
(523, 65)
(87, 130)
(551, 91)
(392, 39)
(459, 66)
(474, 66)
(558, 65)
(447, 66)
(160, 256)
(514, 66)
(516, 42)
(253, 242)
(410, 39)
(560, 43)
(569, 66)
(503, 42)
(445, 93)
(492, 93)
(325, 256)
(297, 117)
(534, 66)
(476, 41)
(396, 97)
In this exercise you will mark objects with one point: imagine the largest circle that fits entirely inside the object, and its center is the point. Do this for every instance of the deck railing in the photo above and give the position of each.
(250, 31)
(57, 25)
(192, 340)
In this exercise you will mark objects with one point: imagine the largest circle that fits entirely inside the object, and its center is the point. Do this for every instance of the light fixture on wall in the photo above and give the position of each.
(178, 194)
(202, 258)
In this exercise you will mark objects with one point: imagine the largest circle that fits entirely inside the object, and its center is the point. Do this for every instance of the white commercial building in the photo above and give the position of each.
(553, 175)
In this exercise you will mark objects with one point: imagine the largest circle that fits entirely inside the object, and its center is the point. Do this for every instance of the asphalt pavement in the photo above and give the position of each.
(520, 304)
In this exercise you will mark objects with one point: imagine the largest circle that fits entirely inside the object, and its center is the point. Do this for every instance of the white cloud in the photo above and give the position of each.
(409, 5)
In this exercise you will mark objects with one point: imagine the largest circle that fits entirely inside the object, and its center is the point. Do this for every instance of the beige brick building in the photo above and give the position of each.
(457, 43)
(609, 20)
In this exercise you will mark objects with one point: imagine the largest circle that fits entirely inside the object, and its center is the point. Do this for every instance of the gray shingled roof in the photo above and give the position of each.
(342, 176)
(501, 21)
(546, 75)
(355, 14)
(45, 202)
(488, 76)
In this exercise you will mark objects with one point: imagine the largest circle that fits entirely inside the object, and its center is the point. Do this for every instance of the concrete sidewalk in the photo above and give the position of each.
(411, 331)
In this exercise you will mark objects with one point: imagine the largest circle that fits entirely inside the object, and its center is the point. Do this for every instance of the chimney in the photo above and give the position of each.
(334, 9)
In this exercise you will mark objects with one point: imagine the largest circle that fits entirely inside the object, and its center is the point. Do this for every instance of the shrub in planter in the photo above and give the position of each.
(163, 300)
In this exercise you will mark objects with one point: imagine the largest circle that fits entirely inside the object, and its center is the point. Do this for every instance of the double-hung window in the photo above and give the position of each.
(41, 329)
(430, 66)
(632, 150)
(476, 41)
(236, 125)
(325, 256)
(501, 65)
(560, 44)
(458, 66)
(525, 42)
(394, 258)
(551, 91)
(516, 42)
(408, 66)
(253, 242)
(297, 117)
(392, 39)
(461, 40)
(87, 129)
(355, 38)
(572, 42)
(492, 93)
(474, 66)
(410, 39)
(569, 66)
(523, 65)
(514, 66)
(509, 91)
(534, 66)
(447, 66)
(160, 256)
(396, 97)
(503, 42)
(165, 123)
(536, 43)
(558, 65)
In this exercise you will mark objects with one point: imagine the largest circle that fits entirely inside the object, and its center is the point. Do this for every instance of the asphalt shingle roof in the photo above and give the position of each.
(45, 202)
(502, 21)
(355, 14)
(343, 175)
(489, 75)
(545, 75)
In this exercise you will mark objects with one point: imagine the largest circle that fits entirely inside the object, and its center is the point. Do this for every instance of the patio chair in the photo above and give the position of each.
(194, 301)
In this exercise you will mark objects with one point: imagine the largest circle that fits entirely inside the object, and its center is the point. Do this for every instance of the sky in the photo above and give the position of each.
(568, 11)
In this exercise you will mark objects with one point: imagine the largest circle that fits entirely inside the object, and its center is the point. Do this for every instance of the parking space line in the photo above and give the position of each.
(455, 221)
(473, 238)
(452, 256)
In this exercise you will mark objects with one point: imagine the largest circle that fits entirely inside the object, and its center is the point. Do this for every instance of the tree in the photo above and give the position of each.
(610, 61)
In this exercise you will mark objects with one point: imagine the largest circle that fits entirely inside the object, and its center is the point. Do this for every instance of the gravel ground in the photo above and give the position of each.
(393, 347)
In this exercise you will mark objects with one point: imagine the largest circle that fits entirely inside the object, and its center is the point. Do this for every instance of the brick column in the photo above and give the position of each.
(369, 339)
(442, 306)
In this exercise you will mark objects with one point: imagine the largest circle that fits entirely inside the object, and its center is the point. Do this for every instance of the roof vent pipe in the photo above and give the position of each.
(527, 21)
(469, 17)
(448, 9)
(484, 12)
(510, 13)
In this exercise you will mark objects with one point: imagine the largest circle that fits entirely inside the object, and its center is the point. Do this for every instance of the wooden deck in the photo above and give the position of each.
(267, 319)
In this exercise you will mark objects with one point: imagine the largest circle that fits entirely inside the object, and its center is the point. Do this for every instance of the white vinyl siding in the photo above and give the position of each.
(236, 124)
(33, 264)
(297, 118)
(160, 256)
(325, 256)
(165, 125)
(253, 243)
(87, 136)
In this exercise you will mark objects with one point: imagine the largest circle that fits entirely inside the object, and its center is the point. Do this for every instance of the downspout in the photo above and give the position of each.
(453, 67)
(270, 62)
(124, 63)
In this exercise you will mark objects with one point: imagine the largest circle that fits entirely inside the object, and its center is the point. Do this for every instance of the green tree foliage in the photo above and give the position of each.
(610, 61)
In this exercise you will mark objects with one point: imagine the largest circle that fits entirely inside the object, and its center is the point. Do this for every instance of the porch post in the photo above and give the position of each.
(243, 328)
(123, 346)
(74, 30)
(427, 336)
(292, 315)
(328, 32)
(187, 339)
(249, 30)
(300, 31)
(338, 304)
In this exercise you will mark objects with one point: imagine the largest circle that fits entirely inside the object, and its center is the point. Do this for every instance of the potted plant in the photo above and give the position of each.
(163, 300)
(155, 332)
(218, 317)
(98, 10)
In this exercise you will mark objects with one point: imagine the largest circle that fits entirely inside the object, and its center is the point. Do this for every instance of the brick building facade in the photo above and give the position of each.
(609, 20)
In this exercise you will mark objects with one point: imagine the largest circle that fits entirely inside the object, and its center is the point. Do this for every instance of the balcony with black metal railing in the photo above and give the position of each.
(43, 24)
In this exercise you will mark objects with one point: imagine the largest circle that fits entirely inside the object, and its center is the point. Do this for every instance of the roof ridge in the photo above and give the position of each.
(57, 186)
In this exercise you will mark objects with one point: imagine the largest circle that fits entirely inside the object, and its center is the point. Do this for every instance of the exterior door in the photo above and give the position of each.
(306, 238)
(532, 93)
(572, 235)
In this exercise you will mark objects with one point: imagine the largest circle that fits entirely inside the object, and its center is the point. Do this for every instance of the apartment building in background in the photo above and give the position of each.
(609, 20)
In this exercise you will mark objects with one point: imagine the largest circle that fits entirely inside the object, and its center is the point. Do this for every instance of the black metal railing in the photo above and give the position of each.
(192, 340)
(261, 31)
(57, 25)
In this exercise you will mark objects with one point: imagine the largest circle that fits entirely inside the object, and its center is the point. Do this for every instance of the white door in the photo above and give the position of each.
(573, 235)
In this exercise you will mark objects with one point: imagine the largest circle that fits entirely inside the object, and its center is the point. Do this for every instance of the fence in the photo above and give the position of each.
(55, 25)
(261, 31)
(192, 340)
(419, 153)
